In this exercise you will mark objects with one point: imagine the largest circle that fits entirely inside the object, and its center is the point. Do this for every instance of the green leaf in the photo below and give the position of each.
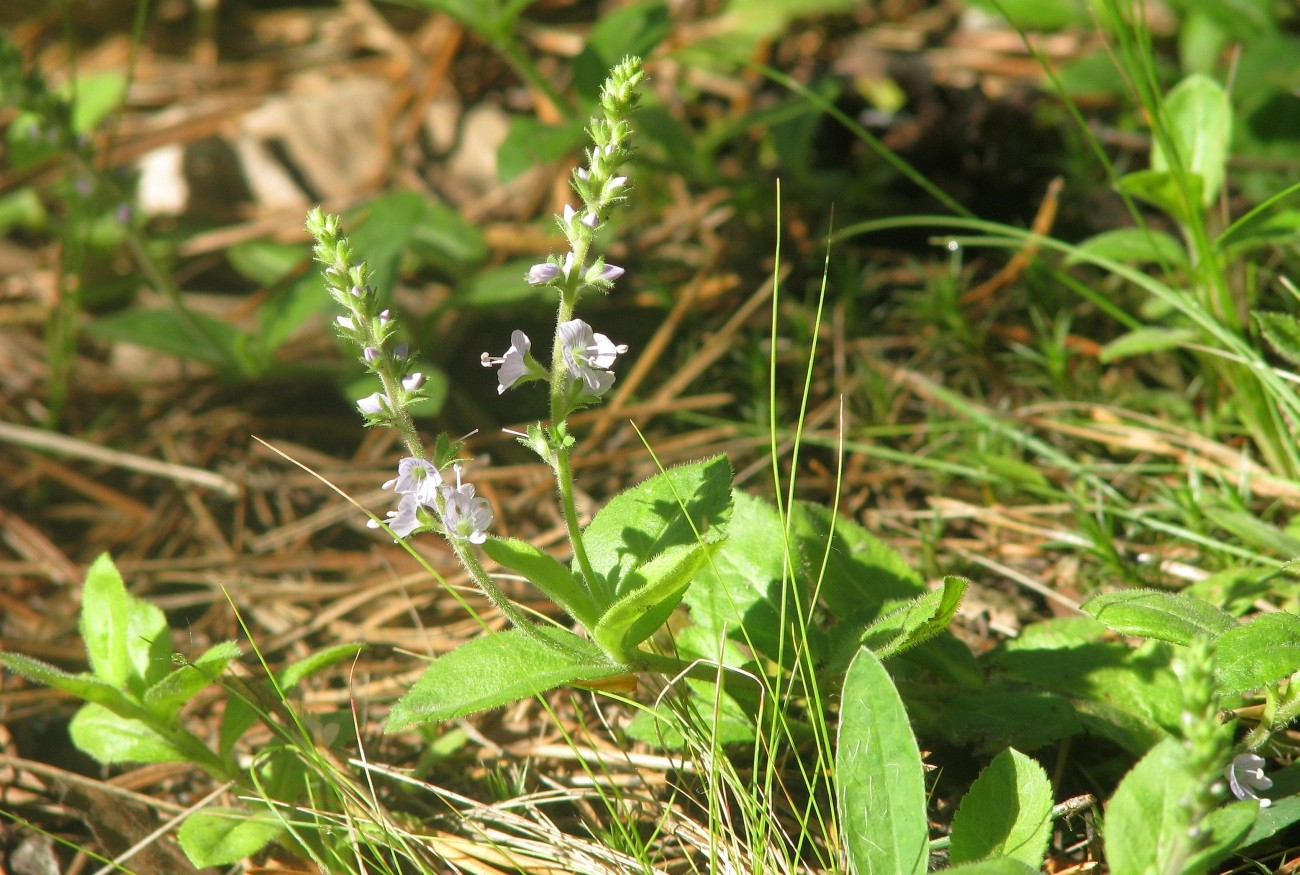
(148, 643)
(497, 669)
(1129, 695)
(1006, 813)
(111, 738)
(97, 96)
(266, 262)
(880, 787)
(447, 240)
(861, 571)
(1255, 655)
(223, 836)
(318, 661)
(665, 511)
(288, 307)
(547, 574)
(994, 717)
(650, 595)
(240, 712)
(1254, 531)
(998, 866)
(1037, 14)
(1167, 616)
(104, 622)
(1265, 228)
(167, 696)
(1282, 331)
(529, 144)
(83, 686)
(383, 238)
(1160, 188)
(1146, 821)
(1144, 341)
(741, 592)
(503, 286)
(191, 335)
(919, 620)
(1198, 122)
(1132, 246)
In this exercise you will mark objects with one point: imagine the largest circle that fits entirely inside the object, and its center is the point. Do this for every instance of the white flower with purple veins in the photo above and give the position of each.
(1245, 776)
(465, 515)
(514, 364)
(405, 519)
(416, 477)
(588, 355)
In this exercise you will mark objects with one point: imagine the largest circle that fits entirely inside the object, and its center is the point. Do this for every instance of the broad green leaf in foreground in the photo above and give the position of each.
(1006, 813)
(1255, 655)
(682, 505)
(222, 837)
(547, 574)
(880, 786)
(1198, 121)
(110, 738)
(1146, 826)
(651, 594)
(105, 615)
(497, 669)
(1151, 613)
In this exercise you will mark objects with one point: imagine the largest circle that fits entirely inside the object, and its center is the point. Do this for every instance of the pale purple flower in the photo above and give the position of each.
(589, 219)
(514, 364)
(374, 404)
(1245, 776)
(608, 274)
(542, 273)
(370, 354)
(405, 519)
(413, 382)
(588, 355)
(465, 515)
(416, 477)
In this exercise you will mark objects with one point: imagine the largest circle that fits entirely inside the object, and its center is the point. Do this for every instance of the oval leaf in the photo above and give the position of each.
(1168, 616)
(1255, 655)
(1006, 813)
(222, 837)
(547, 574)
(880, 787)
(1198, 120)
(498, 669)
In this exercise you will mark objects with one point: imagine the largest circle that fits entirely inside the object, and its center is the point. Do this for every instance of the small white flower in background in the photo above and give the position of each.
(465, 515)
(589, 355)
(514, 363)
(405, 519)
(416, 477)
(1245, 776)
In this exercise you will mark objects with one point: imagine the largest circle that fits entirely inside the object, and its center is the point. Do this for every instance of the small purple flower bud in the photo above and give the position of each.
(373, 404)
(542, 273)
(413, 382)
(346, 323)
(611, 273)
(370, 354)
(590, 219)
(384, 317)
(616, 183)
(583, 174)
(401, 351)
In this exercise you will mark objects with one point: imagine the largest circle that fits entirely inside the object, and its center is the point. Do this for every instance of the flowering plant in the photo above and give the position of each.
(633, 562)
